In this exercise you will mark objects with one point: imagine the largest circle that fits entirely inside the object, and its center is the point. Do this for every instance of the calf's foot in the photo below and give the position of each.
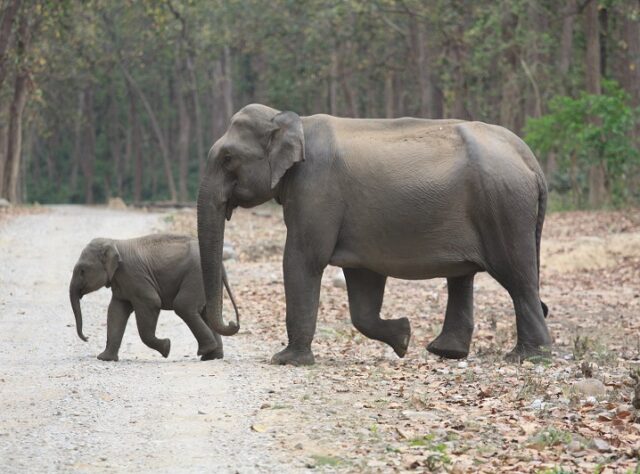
(107, 356)
(217, 353)
(164, 347)
(291, 356)
(207, 348)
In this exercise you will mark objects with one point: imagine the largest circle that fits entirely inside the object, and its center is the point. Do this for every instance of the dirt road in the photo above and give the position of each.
(62, 409)
(360, 408)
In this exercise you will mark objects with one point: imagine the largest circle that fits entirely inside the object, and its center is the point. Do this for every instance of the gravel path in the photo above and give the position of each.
(61, 409)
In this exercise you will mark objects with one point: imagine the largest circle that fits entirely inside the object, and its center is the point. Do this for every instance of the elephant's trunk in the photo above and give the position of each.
(74, 296)
(211, 239)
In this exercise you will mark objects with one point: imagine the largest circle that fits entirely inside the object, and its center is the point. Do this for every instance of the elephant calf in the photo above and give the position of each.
(146, 274)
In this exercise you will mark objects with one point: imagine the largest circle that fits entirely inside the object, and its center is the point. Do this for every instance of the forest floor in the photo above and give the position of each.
(360, 408)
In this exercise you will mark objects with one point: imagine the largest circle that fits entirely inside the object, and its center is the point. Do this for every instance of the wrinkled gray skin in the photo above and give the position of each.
(406, 198)
(146, 274)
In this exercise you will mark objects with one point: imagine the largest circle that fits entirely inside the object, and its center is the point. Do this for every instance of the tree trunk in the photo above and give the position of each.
(184, 132)
(8, 18)
(20, 92)
(221, 94)
(136, 150)
(566, 39)
(597, 179)
(197, 115)
(88, 156)
(592, 33)
(333, 83)
(115, 143)
(4, 136)
(227, 84)
(14, 139)
(603, 20)
(420, 51)
(388, 94)
(158, 134)
(73, 182)
(631, 71)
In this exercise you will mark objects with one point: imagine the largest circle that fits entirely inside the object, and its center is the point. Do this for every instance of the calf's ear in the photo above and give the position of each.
(111, 260)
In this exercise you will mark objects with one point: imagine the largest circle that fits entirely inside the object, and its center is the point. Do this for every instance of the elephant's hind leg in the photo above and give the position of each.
(366, 291)
(147, 321)
(455, 338)
(518, 274)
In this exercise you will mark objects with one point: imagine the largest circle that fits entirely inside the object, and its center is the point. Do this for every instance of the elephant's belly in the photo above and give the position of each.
(416, 268)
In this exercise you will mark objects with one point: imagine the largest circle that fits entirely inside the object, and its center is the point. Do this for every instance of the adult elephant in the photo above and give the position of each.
(406, 198)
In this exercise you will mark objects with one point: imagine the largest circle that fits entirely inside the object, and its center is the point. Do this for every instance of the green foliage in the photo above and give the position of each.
(551, 437)
(438, 456)
(590, 130)
(491, 61)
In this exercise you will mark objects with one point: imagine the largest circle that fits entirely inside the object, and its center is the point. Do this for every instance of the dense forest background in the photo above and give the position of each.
(103, 98)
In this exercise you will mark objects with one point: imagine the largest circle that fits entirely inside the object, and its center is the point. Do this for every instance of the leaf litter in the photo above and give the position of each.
(360, 408)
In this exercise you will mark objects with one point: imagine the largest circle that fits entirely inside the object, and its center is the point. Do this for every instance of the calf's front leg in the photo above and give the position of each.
(117, 317)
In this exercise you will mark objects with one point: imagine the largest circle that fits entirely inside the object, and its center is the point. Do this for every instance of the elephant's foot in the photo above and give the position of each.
(450, 345)
(290, 356)
(400, 335)
(217, 353)
(164, 347)
(532, 352)
(107, 356)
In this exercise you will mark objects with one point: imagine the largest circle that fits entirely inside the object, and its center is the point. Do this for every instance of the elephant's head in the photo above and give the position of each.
(245, 167)
(95, 268)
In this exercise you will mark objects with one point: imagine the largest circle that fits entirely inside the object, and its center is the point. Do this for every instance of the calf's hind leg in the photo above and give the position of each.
(185, 305)
(455, 338)
(366, 291)
(147, 321)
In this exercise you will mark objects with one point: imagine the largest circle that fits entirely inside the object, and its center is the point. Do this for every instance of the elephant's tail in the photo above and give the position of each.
(542, 207)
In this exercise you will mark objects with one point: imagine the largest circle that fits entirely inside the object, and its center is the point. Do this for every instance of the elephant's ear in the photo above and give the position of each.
(111, 259)
(286, 145)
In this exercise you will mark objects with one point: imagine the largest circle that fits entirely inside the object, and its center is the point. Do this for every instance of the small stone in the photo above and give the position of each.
(202, 412)
(601, 445)
(463, 365)
(589, 388)
(574, 446)
(299, 446)
(537, 404)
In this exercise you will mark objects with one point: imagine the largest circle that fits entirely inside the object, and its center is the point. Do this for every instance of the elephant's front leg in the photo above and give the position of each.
(302, 291)
(147, 320)
(117, 317)
(366, 291)
(455, 338)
